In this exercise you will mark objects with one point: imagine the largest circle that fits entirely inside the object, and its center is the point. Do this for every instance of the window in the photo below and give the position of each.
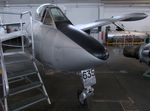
(53, 14)
(47, 18)
(58, 15)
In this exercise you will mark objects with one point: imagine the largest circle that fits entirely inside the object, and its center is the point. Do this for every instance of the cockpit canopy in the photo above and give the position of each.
(48, 13)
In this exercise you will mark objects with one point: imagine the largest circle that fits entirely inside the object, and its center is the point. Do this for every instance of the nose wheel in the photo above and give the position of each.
(83, 102)
(83, 95)
(88, 80)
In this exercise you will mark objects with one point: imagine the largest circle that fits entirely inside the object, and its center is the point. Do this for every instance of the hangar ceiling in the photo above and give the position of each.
(75, 1)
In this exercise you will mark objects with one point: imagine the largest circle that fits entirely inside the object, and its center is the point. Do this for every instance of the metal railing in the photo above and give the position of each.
(2, 54)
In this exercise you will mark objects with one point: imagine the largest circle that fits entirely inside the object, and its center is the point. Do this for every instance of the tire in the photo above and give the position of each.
(85, 103)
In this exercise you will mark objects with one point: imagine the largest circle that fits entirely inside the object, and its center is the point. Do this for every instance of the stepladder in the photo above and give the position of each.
(22, 84)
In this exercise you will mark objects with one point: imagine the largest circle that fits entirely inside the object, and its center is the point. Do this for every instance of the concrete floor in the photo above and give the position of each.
(120, 87)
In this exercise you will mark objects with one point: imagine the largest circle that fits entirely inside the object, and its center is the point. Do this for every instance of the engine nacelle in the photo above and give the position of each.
(144, 54)
(141, 52)
(131, 51)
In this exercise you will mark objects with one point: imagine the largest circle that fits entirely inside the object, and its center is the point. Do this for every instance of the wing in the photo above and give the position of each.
(102, 22)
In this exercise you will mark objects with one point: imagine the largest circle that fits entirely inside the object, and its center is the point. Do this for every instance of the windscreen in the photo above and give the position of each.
(58, 15)
(46, 19)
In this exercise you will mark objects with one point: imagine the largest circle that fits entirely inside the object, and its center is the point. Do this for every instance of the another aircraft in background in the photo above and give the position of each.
(126, 36)
(140, 52)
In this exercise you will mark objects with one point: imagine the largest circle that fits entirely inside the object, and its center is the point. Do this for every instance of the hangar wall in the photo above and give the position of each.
(80, 13)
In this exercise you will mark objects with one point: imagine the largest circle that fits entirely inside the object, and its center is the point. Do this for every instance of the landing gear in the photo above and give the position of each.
(88, 80)
(83, 103)
(83, 96)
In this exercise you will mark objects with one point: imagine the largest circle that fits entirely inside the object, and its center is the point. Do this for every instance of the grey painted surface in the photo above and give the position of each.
(55, 49)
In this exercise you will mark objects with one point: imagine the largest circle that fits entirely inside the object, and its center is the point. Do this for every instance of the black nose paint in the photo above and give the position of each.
(84, 40)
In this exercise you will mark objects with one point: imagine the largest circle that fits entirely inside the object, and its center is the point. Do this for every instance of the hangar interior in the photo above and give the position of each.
(101, 9)
(120, 86)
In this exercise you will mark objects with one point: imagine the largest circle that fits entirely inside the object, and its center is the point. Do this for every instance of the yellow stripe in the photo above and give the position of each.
(135, 43)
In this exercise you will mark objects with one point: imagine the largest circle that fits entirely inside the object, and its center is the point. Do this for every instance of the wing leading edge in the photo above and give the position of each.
(102, 22)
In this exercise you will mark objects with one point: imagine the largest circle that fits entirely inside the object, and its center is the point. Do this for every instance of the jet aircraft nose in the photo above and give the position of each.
(85, 41)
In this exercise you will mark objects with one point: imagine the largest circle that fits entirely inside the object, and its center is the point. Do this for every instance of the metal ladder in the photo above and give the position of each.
(20, 75)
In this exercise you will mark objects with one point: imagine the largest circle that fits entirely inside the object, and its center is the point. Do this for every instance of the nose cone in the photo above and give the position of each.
(85, 41)
(102, 55)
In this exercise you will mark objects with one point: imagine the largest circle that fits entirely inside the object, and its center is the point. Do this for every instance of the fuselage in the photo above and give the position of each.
(126, 34)
(61, 46)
